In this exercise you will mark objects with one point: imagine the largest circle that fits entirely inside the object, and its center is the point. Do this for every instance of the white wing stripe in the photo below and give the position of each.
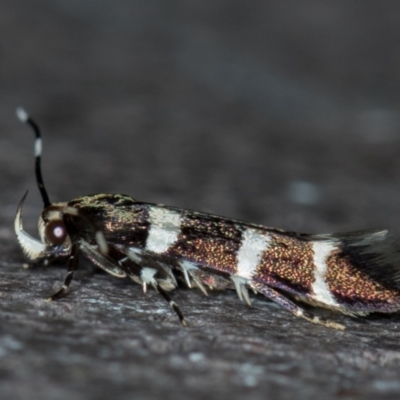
(165, 227)
(250, 253)
(320, 290)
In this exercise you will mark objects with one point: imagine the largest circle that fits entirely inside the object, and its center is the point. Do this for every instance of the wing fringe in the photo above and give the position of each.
(375, 252)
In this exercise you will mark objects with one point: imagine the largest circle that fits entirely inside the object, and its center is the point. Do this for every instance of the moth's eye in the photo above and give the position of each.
(55, 232)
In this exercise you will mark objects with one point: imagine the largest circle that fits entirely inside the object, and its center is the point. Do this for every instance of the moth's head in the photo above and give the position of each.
(51, 226)
(55, 241)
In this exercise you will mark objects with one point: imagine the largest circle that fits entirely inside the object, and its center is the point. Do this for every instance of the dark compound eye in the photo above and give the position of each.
(55, 232)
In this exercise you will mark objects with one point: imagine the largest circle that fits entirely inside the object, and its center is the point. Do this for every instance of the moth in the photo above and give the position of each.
(355, 273)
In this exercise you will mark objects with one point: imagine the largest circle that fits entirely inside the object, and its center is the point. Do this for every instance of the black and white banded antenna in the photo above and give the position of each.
(23, 116)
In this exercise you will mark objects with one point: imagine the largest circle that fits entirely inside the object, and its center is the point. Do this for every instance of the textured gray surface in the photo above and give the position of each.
(284, 114)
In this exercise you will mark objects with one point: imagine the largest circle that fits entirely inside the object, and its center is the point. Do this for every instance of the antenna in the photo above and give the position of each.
(23, 116)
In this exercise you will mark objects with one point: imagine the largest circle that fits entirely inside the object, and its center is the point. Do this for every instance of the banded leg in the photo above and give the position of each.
(150, 265)
(102, 261)
(172, 304)
(292, 307)
(147, 276)
(73, 264)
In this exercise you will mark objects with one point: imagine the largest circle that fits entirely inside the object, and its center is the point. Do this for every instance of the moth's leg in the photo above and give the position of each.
(137, 257)
(292, 307)
(127, 267)
(148, 277)
(104, 262)
(73, 264)
(172, 304)
(191, 270)
(241, 289)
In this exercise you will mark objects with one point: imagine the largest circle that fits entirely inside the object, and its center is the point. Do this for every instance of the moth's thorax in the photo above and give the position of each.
(105, 200)
(118, 216)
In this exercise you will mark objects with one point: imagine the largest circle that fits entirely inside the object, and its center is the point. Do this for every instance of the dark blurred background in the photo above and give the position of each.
(284, 113)
(280, 113)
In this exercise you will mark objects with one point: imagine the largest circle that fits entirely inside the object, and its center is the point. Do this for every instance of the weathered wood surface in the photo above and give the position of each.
(219, 106)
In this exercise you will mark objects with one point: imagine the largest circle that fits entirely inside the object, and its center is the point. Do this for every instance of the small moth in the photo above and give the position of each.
(355, 273)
